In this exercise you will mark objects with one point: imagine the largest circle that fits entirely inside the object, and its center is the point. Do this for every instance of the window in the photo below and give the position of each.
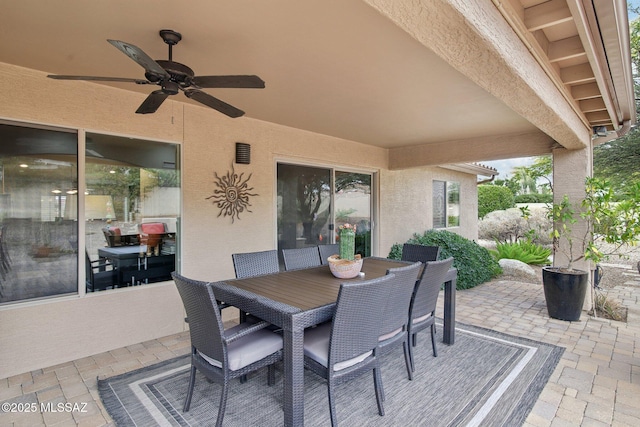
(131, 207)
(38, 227)
(446, 204)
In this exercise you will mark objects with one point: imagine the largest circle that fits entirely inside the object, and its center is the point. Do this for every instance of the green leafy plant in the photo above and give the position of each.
(615, 223)
(523, 250)
(475, 264)
(534, 198)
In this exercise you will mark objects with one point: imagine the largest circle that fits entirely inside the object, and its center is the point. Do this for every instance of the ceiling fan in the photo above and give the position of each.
(172, 77)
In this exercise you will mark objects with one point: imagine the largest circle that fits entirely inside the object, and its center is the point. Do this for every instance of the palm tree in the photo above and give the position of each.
(527, 182)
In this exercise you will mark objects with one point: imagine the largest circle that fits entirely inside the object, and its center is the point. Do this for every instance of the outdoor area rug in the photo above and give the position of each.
(486, 378)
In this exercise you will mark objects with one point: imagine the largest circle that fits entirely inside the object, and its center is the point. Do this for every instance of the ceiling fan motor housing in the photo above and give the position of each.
(181, 74)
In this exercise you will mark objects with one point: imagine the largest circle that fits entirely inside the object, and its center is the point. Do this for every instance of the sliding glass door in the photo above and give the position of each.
(352, 195)
(313, 202)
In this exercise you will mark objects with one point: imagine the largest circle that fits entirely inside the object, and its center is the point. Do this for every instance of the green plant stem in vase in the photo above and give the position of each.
(347, 242)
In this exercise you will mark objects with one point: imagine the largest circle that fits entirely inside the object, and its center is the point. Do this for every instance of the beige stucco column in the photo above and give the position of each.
(570, 169)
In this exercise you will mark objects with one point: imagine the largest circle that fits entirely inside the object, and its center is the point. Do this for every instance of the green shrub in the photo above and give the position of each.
(534, 198)
(527, 252)
(493, 198)
(474, 263)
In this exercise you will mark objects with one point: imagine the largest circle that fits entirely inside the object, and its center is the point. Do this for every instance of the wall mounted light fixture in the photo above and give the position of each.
(243, 153)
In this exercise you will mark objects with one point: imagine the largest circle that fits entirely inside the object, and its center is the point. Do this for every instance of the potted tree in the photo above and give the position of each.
(615, 223)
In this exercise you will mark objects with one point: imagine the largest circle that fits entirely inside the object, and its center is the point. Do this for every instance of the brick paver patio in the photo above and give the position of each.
(597, 382)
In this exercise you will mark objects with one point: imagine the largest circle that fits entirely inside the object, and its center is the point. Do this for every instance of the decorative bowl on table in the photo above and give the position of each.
(343, 268)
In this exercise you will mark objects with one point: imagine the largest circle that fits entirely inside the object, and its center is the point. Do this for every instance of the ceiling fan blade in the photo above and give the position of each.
(138, 55)
(152, 103)
(215, 103)
(99, 79)
(254, 82)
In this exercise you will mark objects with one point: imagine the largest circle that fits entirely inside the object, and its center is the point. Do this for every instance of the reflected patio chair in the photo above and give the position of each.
(423, 253)
(394, 330)
(250, 264)
(219, 354)
(100, 274)
(422, 311)
(296, 259)
(5, 259)
(151, 234)
(326, 251)
(113, 236)
(347, 347)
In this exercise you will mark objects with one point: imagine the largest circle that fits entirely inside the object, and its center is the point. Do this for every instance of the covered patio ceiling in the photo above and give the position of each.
(356, 69)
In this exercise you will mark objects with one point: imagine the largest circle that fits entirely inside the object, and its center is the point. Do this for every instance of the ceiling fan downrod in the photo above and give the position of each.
(171, 38)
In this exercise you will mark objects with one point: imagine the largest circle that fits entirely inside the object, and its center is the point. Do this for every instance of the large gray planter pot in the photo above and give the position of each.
(564, 292)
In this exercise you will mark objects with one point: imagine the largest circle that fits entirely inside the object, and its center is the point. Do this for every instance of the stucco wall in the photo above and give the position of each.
(406, 206)
(209, 147)
(38, 334)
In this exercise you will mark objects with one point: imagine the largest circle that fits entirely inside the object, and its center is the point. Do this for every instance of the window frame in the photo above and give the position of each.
(447, 205)
(81, 136)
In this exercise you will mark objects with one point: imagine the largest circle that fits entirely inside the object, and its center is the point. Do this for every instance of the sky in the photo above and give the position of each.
(505, 167)
(633, 3)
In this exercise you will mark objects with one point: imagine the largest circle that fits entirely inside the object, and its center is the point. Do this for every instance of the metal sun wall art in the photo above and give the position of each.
(232, 194)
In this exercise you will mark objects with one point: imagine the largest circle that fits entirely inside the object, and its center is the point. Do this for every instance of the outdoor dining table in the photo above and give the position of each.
(298, 299)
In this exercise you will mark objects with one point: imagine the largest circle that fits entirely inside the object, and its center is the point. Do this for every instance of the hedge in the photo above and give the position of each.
(475, 264)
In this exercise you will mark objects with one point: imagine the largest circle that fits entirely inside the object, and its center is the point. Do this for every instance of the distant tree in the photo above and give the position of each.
(542, 168)
(619, 160)
(511, 183)
(634, 32)
(526, 181)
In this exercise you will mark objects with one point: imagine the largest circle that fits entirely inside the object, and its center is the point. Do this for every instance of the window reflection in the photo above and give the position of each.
(38, 217)
(312, 206)
(132, 191)
(353, 206)
(132, 205)
(446, 204)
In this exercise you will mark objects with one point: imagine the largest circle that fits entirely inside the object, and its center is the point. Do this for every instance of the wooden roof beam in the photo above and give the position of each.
(546, 14)
(577, 74)
(592, 105)
(598, 117)
(585, 91)
(568, 48)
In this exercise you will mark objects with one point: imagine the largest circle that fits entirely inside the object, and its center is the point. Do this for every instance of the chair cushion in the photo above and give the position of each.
(389, 335)
(421, 318)
(248, 349)
(153, 227)
(316, 347)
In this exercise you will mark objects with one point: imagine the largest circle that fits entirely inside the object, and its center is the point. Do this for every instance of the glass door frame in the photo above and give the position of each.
(332, 167)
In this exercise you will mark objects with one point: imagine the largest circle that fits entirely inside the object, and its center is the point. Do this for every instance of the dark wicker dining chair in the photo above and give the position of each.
(250, 264)
(423, 253)
(326, 251)
(347, 347)
(422, 311)
(296, 259)
(394, 330)
(220, 354)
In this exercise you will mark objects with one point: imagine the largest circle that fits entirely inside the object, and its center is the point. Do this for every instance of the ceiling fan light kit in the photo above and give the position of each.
(173, 77)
